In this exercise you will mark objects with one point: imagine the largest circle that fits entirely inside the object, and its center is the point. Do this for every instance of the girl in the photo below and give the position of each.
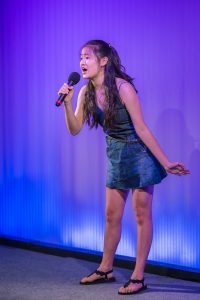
(135, 159)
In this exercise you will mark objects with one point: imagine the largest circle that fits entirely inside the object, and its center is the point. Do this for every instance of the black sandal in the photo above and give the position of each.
(143, 287)
(100, 280)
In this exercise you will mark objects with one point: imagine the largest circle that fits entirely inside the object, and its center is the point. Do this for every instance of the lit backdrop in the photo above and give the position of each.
(52, 185)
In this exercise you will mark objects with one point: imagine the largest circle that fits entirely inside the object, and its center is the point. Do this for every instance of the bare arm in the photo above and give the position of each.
(131, 101)
(74, 120)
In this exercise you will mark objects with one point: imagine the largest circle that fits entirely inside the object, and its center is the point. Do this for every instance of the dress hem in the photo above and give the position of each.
(121, 187)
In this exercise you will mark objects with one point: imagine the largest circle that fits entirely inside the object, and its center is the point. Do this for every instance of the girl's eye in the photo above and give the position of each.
(83, 58)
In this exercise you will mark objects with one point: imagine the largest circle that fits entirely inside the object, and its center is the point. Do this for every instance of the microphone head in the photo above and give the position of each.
(73, 78)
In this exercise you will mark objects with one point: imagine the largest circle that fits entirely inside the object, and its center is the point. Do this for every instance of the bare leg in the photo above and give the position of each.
(142, 204)
(115, 202)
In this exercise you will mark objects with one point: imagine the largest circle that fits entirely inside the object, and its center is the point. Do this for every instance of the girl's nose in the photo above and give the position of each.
(83, 61)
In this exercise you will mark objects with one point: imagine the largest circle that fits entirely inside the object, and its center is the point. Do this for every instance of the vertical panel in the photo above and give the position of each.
(52, 184)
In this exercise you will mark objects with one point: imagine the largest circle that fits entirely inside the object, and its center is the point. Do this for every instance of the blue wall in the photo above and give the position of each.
(52, 185)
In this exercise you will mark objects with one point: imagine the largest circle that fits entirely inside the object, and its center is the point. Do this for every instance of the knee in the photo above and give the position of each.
(142, 215)
(112, 217)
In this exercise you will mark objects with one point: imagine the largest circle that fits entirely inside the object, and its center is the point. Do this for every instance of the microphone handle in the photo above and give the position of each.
(62, 96)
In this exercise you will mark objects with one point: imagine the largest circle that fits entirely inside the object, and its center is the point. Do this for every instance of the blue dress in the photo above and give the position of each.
(130, 164)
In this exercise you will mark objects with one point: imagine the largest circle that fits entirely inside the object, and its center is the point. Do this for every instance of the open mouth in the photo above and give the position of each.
(84, 70)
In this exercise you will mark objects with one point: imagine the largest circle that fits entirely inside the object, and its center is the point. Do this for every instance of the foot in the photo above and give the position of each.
(98, 277)
(133, 286)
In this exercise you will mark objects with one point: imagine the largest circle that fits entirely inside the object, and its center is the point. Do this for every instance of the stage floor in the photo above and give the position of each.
(28, 275)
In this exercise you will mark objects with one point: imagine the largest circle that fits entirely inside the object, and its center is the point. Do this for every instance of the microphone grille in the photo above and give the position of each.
(74, 78)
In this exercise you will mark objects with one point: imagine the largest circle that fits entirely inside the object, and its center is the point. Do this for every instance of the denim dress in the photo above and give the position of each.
(130, 164)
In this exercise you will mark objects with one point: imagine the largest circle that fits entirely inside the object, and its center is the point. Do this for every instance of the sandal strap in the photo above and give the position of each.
(101, 273)
(134, 281)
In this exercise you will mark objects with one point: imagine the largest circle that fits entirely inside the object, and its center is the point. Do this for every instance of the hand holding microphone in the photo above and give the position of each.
(65, 94)
(66, 91)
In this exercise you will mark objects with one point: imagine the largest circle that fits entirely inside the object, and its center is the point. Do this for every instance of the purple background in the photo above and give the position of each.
(52, 185)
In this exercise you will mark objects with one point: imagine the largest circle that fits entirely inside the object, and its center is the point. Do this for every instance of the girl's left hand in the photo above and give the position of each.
(177, 168)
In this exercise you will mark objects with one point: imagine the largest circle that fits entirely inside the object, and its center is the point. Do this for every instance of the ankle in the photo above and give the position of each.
(137, 275)
(104, 268)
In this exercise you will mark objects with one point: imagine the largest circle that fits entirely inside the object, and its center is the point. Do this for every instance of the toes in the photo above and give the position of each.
(84, 279)
(91, 278)
(123, 290)
(130, 289)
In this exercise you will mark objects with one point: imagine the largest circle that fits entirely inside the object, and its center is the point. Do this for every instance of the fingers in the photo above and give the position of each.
(182, 169)
(179, 172)
(180, 164)
(65, 89)
(178, 169)
(185, 172)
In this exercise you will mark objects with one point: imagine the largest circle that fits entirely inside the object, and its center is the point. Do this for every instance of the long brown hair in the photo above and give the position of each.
(113, 69)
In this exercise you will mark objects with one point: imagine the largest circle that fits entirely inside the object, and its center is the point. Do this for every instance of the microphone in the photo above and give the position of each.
(73, 79)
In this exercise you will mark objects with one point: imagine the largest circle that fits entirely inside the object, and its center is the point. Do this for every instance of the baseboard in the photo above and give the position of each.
(120, 261)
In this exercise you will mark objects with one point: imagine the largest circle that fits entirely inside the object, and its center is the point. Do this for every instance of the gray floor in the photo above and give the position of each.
(27, 275)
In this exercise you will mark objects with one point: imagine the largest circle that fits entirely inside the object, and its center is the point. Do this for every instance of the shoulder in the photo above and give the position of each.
(83, 89)
(81, 95)
(123, 85)
(125, 89)
(80, 102)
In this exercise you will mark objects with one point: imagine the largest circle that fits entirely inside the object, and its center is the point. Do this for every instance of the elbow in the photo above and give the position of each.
(143, 132)
(75, 132)
(75, 129)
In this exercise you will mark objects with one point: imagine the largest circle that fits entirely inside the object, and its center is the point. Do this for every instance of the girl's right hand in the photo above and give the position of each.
(68, 91)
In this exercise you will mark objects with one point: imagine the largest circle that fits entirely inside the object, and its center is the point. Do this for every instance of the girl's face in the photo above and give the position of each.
(89, 64)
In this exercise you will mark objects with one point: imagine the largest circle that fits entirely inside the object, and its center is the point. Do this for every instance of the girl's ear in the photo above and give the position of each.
(104, 61)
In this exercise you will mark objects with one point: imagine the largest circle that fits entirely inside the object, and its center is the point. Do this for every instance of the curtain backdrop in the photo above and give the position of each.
(52, 185)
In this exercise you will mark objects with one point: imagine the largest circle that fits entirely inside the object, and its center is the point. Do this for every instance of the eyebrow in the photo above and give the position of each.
(84, 54)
